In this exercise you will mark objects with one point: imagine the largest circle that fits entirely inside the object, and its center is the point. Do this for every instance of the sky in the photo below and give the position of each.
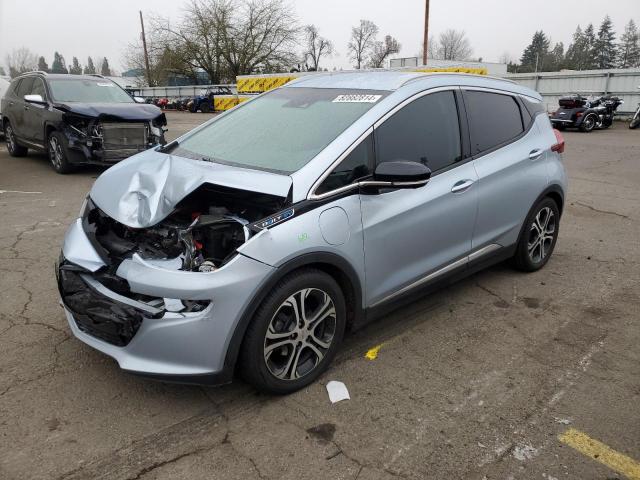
(84, 28)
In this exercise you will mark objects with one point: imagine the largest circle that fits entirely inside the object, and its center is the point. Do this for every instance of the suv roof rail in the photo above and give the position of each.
(31, 72)
(96, 75)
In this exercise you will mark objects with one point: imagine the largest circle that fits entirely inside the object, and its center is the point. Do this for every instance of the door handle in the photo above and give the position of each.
(536, 153)
(461, 186)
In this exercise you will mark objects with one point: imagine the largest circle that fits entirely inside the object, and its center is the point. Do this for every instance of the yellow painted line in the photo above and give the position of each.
(372, 353)
(601, 453)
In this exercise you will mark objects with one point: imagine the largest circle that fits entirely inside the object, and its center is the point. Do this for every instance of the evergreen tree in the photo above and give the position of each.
(590, 55)
(575, 52)
(58, 65)
(75, 69)
(556, 59)
(536, 53)
(104, 69)
(629, 47)
(42, 65)
(605, 46)
(90, 68)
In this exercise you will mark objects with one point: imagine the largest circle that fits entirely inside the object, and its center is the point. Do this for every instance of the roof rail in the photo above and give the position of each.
(96, 75)
(33, 71)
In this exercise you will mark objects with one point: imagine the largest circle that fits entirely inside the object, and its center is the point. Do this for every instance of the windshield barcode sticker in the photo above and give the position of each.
(357, 98)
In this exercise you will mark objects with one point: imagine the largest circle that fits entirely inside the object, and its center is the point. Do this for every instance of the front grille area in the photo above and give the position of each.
(123, 139)
(95, 314)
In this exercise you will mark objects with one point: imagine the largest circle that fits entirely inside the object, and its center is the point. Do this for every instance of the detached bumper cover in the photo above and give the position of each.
(175, 346)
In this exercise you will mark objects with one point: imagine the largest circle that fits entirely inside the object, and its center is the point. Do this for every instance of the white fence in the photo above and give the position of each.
(553, 85)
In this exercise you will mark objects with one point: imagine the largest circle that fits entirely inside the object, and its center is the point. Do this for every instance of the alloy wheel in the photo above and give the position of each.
(11, 141)
(299, 334)
(589, 123)
(55, 152)
(541, 235)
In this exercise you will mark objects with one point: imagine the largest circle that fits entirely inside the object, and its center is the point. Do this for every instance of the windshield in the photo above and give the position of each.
(83, 90)
(282, 130)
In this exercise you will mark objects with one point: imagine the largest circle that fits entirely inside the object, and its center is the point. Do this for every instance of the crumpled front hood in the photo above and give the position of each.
(144, 189)
(123, 111)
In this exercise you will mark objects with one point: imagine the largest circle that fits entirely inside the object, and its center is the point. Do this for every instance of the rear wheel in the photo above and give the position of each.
(204, 107)
(588, 124)
(14, 149)
(295, 333)
(538, 238)
(635, 121)
(58, 153)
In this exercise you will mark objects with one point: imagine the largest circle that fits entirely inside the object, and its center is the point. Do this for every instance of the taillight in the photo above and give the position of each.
(559, 145)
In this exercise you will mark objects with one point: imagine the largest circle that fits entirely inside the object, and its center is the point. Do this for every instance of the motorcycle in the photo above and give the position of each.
(635, 121)
(585, 114)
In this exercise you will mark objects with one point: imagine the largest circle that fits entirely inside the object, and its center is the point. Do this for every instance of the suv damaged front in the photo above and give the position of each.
(107, 135)
(102, 122)
(153, 240)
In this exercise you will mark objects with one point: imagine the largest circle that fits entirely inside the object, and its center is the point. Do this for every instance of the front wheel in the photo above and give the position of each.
(635, 121)
(295, 333)
(204, 107)
(538, 238)
(58, 153)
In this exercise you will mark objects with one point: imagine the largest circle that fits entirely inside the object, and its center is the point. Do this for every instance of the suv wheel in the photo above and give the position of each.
(539, 236)
(14, 149)
(295, 333)
(58, 153)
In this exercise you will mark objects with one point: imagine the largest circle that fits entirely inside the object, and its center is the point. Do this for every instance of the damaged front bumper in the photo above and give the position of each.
(102, 142)
(133, 318)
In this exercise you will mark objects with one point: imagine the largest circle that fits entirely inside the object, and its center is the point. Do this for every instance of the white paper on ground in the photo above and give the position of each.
(337, 391)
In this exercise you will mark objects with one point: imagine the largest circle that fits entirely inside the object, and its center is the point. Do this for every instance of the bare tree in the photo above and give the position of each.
(315, 46)
(257, 35)
(382, 50)
(453, 45)
(362, 41)
(21, 60)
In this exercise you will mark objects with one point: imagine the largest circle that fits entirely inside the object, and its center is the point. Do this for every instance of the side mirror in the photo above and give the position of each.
(138, 99)
(35, 99)
(402, 174)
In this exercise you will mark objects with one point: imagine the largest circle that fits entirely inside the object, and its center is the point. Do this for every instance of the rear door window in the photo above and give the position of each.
(426, 130)
(494, 119)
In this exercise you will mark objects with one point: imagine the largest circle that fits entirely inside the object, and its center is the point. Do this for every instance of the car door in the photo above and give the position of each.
(33, 117)
(412, 236)
(17, 108)
(509, 158)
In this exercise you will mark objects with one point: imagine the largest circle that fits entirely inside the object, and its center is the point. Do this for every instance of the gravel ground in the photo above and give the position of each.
(476, 381)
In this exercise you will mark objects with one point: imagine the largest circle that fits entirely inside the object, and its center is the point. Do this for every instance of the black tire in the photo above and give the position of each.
(526, 258)
(291, 348)
(635, 121)
(13, 148)
(204, 107)
(588, 124)
(57, 152)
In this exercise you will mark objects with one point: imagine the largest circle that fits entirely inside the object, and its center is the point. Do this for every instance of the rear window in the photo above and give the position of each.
(494, 119)
(280, 131)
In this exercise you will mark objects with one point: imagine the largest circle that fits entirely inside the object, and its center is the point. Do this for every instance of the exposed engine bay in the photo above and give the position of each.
(201, 234)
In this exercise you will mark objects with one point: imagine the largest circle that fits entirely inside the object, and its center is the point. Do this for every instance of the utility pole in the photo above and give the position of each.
(425, 45)
(146, 53)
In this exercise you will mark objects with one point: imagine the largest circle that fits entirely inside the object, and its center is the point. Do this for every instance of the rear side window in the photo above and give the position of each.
(353, 167)
(25, 87)
(427, 131)
(494, 119)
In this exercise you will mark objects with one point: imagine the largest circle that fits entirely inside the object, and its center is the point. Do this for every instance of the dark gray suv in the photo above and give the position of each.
(77, 119)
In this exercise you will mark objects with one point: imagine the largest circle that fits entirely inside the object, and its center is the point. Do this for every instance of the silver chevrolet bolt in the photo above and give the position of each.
(253, 242)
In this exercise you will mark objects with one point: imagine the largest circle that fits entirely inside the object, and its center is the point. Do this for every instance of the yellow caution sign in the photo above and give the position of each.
(227, 102)
(475, 71)
(259, 84)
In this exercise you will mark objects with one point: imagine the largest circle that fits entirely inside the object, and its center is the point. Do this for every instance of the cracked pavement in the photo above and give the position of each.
(474, 382)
